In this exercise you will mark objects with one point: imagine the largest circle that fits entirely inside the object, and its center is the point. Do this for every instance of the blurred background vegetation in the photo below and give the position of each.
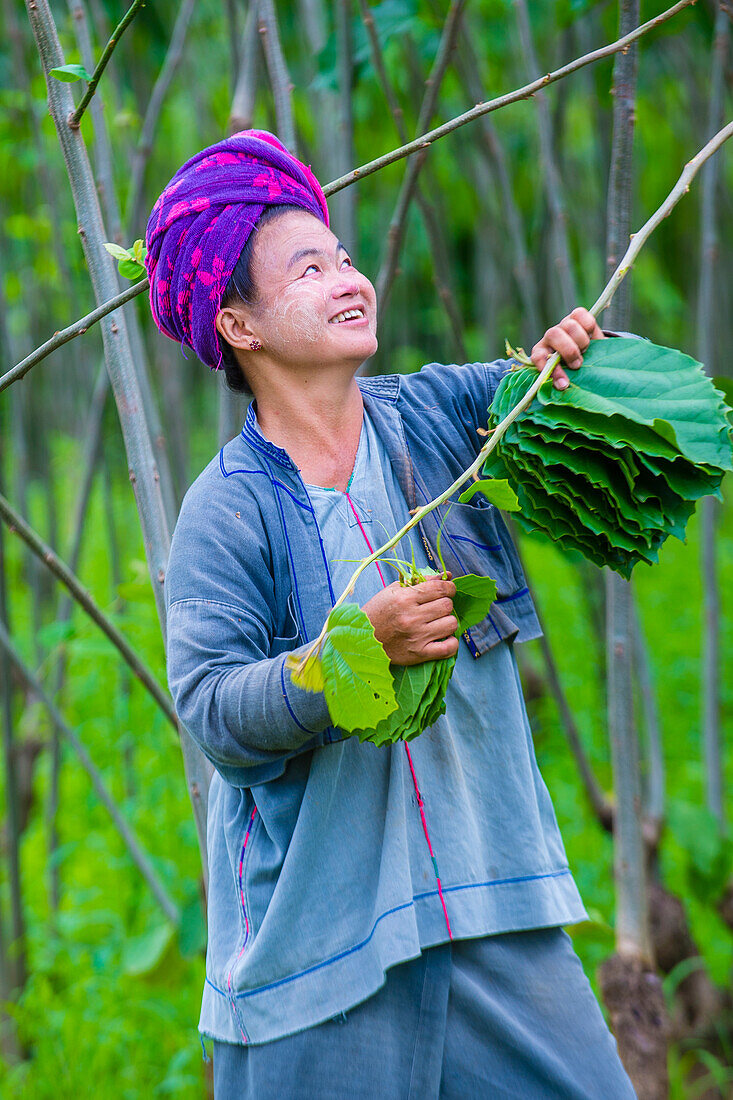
(110, 995)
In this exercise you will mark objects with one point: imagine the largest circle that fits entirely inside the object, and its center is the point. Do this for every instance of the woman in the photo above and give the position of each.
(383, 922)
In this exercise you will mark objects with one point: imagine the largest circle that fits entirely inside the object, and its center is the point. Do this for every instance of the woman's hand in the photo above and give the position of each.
(570, 338)
(415, 623)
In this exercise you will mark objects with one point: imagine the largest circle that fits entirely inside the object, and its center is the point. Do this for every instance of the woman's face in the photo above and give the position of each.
(313, 308)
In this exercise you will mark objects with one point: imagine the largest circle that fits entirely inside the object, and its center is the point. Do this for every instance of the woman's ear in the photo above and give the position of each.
(233, 324)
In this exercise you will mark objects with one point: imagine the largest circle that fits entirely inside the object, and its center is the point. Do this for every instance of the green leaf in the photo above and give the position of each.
(499, 493)
(354, 671)
(139, 251)
(69, 74)
(420, 689)
(117, 251)
(474, 596)
(130, 269)
(614, 464)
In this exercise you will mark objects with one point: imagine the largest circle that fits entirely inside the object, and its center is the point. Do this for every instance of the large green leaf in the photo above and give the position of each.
(352, 669)
(613, 465)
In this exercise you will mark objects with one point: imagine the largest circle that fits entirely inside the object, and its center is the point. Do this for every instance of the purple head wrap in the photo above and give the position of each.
(201, 222)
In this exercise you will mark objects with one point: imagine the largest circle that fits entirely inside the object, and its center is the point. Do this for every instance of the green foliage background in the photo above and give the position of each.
(113, 994)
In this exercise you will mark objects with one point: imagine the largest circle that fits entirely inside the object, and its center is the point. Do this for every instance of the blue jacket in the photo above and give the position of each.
(248, 581)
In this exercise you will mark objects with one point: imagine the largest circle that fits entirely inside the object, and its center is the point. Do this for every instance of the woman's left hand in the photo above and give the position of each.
(570, 338)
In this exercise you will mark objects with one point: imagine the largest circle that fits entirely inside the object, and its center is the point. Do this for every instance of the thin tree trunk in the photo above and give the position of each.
(135, 212)
(431, 220)
(654, 787)
(396, 232)
(562, 268)
(279, 75)
(245, 91)
(631, 989)
(490, 146)
(707, 344)
(344, 204)
(15, 977)
(121, 366)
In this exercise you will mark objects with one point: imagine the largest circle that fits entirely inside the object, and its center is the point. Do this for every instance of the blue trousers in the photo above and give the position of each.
(508, 1016)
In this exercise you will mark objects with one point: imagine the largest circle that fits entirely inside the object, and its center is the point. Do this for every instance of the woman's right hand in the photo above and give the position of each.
(415, 623)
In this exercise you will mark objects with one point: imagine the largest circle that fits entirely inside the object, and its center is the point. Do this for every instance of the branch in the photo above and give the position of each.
(603, 300)
(502, 101)
(77, 329)
(75, 116)
(17, 524)
(139, 856)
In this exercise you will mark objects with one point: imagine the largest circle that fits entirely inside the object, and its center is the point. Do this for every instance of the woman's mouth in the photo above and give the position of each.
(349, 316)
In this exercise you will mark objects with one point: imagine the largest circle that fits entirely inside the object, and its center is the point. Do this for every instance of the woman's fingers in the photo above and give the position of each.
(435, 588)
(439, 650)
(569, 339)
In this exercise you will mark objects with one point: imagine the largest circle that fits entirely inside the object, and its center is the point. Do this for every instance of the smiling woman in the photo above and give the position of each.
(341, 962)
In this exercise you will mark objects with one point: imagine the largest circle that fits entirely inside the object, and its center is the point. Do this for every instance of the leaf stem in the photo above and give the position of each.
(75, 116)
(637, 242)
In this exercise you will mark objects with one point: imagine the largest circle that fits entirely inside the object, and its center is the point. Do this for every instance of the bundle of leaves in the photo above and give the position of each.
(615, 463)
(366, 694)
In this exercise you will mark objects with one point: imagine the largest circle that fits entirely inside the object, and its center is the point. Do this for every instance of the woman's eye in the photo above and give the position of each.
(310, 267)
(346, 261)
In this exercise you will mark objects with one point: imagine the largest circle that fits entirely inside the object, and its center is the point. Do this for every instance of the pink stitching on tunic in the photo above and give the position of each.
(409, 758)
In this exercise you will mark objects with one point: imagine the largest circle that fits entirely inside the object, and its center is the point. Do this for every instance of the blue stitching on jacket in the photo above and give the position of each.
(506, 599)
(396, 909)
(275, 484)
(479, 545)
(293, 715)
(228, 473)
(306, 507)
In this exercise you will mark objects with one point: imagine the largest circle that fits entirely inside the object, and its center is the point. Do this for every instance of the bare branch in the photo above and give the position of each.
(77, 329)
(243, 98)
(41, 549)
(138, 854)
(76, 116)
(502, 101)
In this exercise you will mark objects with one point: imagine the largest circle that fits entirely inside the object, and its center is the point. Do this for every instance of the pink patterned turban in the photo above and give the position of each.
(201, 222)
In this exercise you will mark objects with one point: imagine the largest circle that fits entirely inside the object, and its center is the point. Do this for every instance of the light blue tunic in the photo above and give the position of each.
(333, 880)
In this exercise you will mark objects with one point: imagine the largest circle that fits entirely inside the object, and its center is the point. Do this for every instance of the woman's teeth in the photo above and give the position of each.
(347, 315)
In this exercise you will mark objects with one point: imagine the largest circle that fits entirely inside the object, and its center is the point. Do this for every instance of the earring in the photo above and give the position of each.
(255, 345)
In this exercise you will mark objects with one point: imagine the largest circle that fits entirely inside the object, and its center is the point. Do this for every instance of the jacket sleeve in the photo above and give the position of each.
(225, 657)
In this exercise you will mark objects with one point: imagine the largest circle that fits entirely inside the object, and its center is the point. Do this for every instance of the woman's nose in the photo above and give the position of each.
(346, 283)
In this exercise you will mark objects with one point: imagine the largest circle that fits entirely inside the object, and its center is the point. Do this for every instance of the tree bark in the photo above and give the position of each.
(630, 987)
